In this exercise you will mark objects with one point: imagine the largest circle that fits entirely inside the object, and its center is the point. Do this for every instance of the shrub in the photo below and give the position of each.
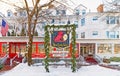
(115, 59)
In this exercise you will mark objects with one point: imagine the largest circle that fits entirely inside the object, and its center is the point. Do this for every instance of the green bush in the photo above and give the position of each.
(1, 66)
(115, 59)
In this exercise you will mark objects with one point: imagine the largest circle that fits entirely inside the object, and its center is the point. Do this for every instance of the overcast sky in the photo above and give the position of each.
(90, 4)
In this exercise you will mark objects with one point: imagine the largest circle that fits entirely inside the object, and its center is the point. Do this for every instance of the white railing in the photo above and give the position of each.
(11, 60)
(3, 59)
(100, 60)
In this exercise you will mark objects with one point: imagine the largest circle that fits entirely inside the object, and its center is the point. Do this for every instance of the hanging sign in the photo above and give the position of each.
(59, 39)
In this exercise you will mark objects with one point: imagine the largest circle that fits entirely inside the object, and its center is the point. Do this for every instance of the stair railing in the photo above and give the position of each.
(3, 59)
(11, 60)
(100, 60)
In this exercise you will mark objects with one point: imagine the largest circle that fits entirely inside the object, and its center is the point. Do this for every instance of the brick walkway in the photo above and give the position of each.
(7, 67)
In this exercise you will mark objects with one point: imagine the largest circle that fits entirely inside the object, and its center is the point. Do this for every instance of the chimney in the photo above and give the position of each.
(100, 8)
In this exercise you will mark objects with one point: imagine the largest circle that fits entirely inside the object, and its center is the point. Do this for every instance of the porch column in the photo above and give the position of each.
(112, 51)
(7, 47)
(0, 48)
(79, 49)
(37, 48)
(96, 49)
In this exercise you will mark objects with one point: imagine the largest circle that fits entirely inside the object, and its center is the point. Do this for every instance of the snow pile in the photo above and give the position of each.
(94, 70)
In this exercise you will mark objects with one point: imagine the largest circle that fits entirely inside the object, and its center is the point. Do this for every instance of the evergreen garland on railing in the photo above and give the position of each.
(73, 42)
(46, 46)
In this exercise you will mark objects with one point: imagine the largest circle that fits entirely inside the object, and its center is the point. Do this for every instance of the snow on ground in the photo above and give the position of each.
(93, 70)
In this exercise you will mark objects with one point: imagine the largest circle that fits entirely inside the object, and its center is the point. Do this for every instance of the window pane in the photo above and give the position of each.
(83, 35)
(112, 20)
(82, 21)
(41, 48)
(104, 48)
(117, 48)
(107, 19)
(76, 23)
(33, 48)
(4, 48)
(77, 12)
(95, 33)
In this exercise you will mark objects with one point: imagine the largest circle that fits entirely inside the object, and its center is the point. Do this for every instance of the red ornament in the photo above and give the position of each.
(54, 49)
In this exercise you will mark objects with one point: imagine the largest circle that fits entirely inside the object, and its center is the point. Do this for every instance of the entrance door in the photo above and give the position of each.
(87, 49)
(83, 51)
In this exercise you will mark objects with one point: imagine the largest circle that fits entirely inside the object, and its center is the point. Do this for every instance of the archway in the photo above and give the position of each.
(58, 36)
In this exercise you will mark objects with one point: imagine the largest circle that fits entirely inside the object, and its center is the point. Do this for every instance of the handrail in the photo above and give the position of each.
(11, 60)
(98, 58)
(3, 59)
(81, 58)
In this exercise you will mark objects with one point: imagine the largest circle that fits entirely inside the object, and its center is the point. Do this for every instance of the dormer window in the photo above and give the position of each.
(68, 22)
(95, 18)
(60, 12)
(77, 12)
(63, 12)
(20, 13)
(57, 12)
(24, 13)
(83, 12)
(52, 21)
(9, 14)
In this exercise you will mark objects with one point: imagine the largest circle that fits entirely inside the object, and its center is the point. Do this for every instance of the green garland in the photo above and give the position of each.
(73, 41)
(47, 45)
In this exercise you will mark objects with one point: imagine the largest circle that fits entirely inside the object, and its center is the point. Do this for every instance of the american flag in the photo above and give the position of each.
(4, 28)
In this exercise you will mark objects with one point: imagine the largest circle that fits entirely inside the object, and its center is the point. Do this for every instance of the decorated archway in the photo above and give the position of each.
(60, 36)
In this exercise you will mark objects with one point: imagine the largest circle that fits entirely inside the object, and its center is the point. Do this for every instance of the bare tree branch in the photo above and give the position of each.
(11, 4)
(27, 8)
(34, 8)
(47, 4)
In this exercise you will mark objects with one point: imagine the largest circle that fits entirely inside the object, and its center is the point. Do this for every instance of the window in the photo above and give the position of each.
(83, 12)
(60, 12)
(76, 35)
(117, 19)
(41, 48)
(77, 12)
(11, 27)
(82, 21)
(112, 19)
(83, 35)
(52, 21)
(63, 12)
(9, 14)
(112, 34)
(33, 48)
(68, 22)
(24, 13)
(95, 18)
(21, 13)
(104, 48)
(76, 23)
(43, 25)
(107, 19)
(117, 48)
(95, 33)
(4, 47)
(57, 12)
(63, 22)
